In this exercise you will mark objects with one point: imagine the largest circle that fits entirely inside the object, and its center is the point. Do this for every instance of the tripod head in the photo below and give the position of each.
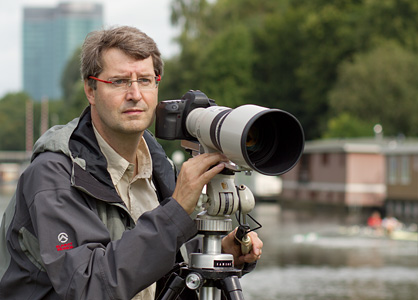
(223, 197)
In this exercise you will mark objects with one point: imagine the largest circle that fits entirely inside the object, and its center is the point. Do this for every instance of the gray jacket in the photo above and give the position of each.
(68, 235)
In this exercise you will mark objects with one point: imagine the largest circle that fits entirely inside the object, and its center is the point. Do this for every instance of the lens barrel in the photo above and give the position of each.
(272, 142)
(269, 141)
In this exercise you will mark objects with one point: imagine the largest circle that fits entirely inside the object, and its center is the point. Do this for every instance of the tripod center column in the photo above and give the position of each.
(212, 244)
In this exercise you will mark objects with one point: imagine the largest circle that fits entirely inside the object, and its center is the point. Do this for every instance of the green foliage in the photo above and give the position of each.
(347, 126)
(303, 47)
(380, 86)
(71, 75)
(74, 104)
(12, 121)
(392, 20)
(276, 61)
(217, 54)
(227, 64)
(73, 89)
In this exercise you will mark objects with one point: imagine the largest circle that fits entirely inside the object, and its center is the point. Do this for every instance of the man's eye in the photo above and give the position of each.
(119, 82)
(144, 81)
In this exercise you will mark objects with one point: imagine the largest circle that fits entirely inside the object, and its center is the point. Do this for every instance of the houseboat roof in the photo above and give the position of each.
(363, 145)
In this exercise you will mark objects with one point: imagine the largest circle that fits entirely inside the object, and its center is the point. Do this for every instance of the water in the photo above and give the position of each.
(304, 257)
(327, 283)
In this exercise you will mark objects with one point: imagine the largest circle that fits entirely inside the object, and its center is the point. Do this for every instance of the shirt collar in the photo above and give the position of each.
(117, 166)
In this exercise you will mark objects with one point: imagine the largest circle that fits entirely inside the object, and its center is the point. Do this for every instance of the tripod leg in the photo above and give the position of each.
(173, 289)
(231, 288)
(209, 293)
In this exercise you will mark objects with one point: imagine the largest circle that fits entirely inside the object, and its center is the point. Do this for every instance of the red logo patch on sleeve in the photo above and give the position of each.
(63, 239)
(67, 246)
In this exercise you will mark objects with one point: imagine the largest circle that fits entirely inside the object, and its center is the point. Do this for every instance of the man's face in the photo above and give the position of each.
(127, 111)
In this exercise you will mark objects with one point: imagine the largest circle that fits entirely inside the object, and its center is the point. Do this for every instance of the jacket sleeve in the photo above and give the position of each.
(75, 246)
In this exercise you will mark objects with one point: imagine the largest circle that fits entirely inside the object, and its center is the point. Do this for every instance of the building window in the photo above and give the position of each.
(304, 170)
(392, 169)
(405, 177)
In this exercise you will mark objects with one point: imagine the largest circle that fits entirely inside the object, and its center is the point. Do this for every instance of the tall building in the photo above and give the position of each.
(50, 37)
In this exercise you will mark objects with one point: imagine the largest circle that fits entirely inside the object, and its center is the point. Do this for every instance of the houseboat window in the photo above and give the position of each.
(405, 177)
(392, 169)
(304, 170)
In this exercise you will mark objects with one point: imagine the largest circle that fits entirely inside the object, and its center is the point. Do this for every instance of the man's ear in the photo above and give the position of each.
(89, 91)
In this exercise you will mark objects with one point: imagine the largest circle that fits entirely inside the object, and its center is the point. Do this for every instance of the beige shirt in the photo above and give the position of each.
(137, 191)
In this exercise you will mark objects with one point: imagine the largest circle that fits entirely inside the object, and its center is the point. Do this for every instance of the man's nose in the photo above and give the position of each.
(134, 92)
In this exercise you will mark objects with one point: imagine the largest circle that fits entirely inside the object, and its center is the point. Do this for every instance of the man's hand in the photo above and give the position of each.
(230, 246)
(194, 174)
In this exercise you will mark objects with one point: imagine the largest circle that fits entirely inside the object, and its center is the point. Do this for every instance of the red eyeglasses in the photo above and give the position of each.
(144, 83)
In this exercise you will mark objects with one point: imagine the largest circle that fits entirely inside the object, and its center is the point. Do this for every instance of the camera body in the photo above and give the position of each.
(172, 115)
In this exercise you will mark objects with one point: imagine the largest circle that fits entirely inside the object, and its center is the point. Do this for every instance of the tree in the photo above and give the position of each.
(217, 54)
(73, 90)
(347, 126)
(391, 20)
(71, 74)
(380, 86)
(299, 51)
(13, 121)
(227, 67)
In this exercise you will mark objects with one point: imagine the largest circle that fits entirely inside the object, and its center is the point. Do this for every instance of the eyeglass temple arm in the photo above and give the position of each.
(101, 80)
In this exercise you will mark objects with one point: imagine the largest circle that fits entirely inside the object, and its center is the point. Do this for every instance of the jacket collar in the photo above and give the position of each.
(78, 141)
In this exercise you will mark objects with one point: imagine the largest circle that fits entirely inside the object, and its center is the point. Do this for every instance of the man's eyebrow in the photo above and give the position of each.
(146, 75)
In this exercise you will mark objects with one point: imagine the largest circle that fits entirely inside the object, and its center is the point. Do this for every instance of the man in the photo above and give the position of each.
(98, 214)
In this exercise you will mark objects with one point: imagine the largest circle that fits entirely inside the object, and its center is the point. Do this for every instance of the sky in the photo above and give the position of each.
(151, 16)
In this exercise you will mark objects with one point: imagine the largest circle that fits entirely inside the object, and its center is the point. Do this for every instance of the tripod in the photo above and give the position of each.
(212, 272)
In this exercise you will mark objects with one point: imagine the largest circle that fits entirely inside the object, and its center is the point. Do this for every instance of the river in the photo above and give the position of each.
(304, 257)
